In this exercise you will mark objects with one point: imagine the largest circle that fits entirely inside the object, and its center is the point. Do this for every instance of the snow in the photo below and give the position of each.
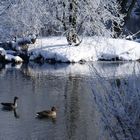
(2, 52)
(16, 59)
(91, 49)
(17, 43)
(10, 57)
(122, 49)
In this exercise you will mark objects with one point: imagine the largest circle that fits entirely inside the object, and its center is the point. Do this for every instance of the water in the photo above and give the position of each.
(95, 101)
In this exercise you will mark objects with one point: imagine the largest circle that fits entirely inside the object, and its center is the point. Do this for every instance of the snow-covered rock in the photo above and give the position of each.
(10, 58)
(18, 44)
(2, 52)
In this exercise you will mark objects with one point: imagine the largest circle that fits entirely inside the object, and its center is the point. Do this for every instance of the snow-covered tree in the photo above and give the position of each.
(20, 17)
(87, 17)
(84, 17)
(126, 7)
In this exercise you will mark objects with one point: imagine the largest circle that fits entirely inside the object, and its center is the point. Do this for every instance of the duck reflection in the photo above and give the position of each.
(16, 115)
(53, 120)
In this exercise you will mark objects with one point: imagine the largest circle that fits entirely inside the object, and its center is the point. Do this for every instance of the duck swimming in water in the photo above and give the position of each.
(10, 106)
(47, 113)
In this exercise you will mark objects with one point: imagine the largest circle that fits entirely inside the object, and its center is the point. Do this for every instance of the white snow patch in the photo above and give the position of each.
(91, 49)
(2, 52)
(16, 59)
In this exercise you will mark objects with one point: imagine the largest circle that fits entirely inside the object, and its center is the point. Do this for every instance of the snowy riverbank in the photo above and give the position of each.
(56, 49)
(91, 49)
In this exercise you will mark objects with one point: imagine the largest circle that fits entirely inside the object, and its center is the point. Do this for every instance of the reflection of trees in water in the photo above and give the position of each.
(118, 101)
(2, 69)
(72, 105)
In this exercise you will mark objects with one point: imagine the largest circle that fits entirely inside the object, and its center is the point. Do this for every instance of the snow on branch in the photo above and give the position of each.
(87, 17)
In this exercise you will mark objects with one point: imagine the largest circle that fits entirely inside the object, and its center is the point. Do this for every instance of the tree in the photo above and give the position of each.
(86, 17)
(126, 7)
(20, 18)
(67, 17)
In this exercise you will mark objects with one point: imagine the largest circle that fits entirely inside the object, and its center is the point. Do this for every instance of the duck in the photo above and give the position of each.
(10, 106)
(47, 113)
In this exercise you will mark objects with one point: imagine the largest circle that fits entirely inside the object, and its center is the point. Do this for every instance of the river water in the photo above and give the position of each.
(94, 101)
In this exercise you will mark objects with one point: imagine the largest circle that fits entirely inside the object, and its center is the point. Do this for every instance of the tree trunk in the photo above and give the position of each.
(72, 36)
(73, 13)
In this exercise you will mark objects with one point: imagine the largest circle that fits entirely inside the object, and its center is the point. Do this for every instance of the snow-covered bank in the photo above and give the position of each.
(56, 49)
(91, 49)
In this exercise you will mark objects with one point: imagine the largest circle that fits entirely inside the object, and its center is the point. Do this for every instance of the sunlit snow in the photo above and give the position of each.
(91, 49)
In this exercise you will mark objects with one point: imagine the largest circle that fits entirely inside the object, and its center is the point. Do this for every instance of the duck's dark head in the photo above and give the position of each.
(53, 109)
(15, 102)
(15, 98)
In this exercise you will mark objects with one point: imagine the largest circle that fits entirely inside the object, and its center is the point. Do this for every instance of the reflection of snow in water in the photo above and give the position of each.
(116, 92)
(103, 69)
(118, 101)
(113, 103)
(4, 68)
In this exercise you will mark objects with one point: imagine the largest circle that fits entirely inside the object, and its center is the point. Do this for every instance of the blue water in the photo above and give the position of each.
(94, 101)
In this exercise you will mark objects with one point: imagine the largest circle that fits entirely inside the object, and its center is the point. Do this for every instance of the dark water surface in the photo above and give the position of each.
(95, 101)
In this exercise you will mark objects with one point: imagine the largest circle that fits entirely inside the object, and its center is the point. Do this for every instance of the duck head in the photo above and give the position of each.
(53, 109)
(15, 101)
(15, 98)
